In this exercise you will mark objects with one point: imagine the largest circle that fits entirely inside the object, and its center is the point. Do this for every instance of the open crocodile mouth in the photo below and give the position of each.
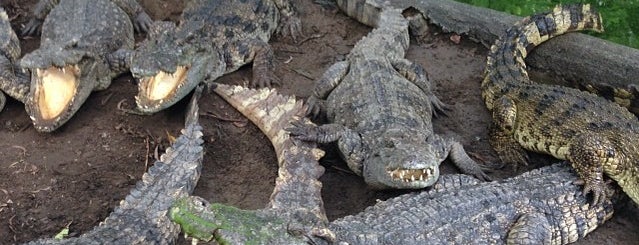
(160, 87)
(55, 91)
(411, 175)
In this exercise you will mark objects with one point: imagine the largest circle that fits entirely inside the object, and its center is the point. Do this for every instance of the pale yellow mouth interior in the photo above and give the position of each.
(55, 90)
(164, 84)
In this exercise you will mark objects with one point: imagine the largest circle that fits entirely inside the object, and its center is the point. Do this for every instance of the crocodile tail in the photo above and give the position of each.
(192, 112)
(365, 11)
(299, 168)
(505, 65)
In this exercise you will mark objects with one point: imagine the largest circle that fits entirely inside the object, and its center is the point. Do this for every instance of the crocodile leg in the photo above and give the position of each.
(502, 136)
(466, 165)
(262, 56)
(348, 141)
(323, 87)
(588, 157)
(120, 60)
(290, 24)
(140, 19)
(41, 10)
(418, 76)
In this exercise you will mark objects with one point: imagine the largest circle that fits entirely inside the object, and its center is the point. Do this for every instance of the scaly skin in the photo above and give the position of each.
(295, 214)
(12, 80)
(142, 216)
(595, 135)
(72, 60)
(212, 39)
(380, 105)
(542, 206)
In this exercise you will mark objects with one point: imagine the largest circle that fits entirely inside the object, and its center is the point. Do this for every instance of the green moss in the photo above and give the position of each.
(620, 17)
(228, 225)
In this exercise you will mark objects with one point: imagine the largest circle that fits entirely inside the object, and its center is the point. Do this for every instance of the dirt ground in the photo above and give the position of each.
(75, 176)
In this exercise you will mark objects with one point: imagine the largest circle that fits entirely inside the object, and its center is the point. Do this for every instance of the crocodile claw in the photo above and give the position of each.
(303, 131)
(32, 28)
(314, 106)
(262, 80)
(142, 22)
(600, 191)
(290, 26)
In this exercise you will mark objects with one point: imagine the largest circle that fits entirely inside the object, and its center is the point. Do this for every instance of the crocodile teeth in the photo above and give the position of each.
(411, 175)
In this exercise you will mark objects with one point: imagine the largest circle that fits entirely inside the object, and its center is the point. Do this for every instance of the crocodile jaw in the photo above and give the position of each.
(414, 177)
(160, 91)
(52, 96)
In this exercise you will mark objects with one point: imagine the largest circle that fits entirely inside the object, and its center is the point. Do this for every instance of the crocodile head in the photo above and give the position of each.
(168, 69)
(61, 80)
(403, 162)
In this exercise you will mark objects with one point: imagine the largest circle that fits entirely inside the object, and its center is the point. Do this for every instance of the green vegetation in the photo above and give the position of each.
(620, 17)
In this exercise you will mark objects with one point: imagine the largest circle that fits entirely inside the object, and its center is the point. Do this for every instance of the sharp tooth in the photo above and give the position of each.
(412, 178)
(64, 70)
(421, 177)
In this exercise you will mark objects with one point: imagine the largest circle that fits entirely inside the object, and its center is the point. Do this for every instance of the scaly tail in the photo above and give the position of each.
(506, 64)
(297, 190)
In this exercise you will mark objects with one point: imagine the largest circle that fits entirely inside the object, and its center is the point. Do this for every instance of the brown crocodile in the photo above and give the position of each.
(595, 135)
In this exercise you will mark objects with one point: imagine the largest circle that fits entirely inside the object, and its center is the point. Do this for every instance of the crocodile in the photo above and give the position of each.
(12, 80)
(141, 218)
(542, 206)
(597, 136)
(379, 106)
(295, 213)
(212, 38)
(77, 39)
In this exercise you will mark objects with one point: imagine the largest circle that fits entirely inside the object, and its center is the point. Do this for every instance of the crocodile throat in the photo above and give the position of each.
(55, 90)
(163, 85)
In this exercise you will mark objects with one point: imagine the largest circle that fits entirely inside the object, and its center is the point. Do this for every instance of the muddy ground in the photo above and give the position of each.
(75, 176)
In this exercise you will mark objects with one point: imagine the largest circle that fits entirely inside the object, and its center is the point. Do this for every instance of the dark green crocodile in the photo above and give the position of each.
(212, 38)
(295, 214)
(12, 80)
(141, 218)
(72, 60)
(380, 105)
(595, 135)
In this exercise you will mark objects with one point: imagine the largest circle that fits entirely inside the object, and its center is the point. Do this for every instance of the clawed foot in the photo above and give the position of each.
(314, 106)
(32, 28)
(264, 80)
(142, 22)
(303, 131)
(601, 191)
(439, 108)
(290, 26)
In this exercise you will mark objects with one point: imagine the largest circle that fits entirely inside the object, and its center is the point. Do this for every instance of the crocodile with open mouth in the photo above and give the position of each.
(141, 218)
(77, 38)
(380, 106)
(212, 38)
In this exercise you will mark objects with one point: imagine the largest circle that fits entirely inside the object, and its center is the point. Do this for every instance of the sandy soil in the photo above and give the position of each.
(76, 175)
